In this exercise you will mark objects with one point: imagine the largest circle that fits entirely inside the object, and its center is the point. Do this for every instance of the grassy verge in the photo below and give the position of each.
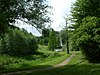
(42, 59)
(77, 66)
(80, 66)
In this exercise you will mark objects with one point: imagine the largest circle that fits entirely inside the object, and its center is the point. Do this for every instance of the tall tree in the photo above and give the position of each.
(84, 8)
(88, 38)
(86, 17)
(52, 40)
(45, 35)
(65, 38)
(80, 10)
(35, 11)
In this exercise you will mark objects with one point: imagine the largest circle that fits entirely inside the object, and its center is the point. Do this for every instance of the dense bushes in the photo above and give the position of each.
(87, 38)
(16, 42)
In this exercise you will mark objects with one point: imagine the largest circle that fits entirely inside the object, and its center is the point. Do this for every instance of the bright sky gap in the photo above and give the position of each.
(61, 9)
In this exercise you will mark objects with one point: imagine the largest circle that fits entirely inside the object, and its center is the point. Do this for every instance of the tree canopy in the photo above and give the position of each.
(84, 8)
(52, 40)
(86, 32)
(35, 11)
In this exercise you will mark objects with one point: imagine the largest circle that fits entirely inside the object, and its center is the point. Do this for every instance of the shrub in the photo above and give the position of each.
(18, 43)
(32, 44)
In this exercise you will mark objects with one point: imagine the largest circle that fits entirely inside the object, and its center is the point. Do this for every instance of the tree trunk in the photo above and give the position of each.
(67, 47)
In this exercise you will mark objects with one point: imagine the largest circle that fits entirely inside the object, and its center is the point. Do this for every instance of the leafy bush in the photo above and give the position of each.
(88, 38)
(18, 43)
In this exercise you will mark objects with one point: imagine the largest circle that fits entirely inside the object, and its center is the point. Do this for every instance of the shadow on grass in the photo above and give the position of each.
(35, 56)
(84, 69)
(29, 57)
(81, 69)
(23, 68)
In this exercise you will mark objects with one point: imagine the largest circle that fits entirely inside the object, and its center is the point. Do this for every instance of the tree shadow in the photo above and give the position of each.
(35, 56)
(24, 68)
(92, 69)
(81, 69)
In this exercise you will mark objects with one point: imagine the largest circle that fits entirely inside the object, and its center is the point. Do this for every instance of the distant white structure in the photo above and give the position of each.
(61, 42)
(58, 50)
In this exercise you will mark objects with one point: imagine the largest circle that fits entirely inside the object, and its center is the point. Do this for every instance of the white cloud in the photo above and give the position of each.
(61, 8)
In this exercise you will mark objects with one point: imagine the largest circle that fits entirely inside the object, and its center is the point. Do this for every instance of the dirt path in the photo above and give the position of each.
(65, 62)
(58, 65)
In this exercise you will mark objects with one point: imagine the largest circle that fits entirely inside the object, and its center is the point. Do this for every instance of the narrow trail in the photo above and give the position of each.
(43, 69)
(66, 61)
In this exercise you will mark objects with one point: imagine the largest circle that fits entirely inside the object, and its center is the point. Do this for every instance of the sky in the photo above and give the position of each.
(27, 27)
(61, 8)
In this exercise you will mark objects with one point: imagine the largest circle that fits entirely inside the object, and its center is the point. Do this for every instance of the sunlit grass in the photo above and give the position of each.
(44, 58)
(77, 66)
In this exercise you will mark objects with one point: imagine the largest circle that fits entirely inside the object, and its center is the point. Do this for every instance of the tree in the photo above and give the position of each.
(52, 40)
(85, 15)
(88, 38)
(35, 11)
(65, 38)
(45, 35)
(80, 10)
(65, 35)
(84, 8)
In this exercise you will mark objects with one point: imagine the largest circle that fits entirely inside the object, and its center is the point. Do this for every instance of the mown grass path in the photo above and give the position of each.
(43, 69)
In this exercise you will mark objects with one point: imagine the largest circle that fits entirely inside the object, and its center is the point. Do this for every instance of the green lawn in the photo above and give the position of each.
(77, 66)
(42, 59)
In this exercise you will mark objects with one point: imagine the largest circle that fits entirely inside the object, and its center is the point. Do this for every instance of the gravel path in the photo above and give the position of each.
(58, 65)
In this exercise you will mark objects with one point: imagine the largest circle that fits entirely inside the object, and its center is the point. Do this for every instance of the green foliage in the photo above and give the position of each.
(84, 8)
(88, 38)
(35, 11)
(45, 32)
(64, 36)
(77, 66)
(58, 41)
(18, 43)
(52, 41)
(72, 42)
(44, 39)
(86, 28)
(45, 36)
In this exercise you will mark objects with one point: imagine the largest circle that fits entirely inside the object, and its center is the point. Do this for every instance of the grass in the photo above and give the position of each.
(80, 66)
(43, 59)
(77, 66)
